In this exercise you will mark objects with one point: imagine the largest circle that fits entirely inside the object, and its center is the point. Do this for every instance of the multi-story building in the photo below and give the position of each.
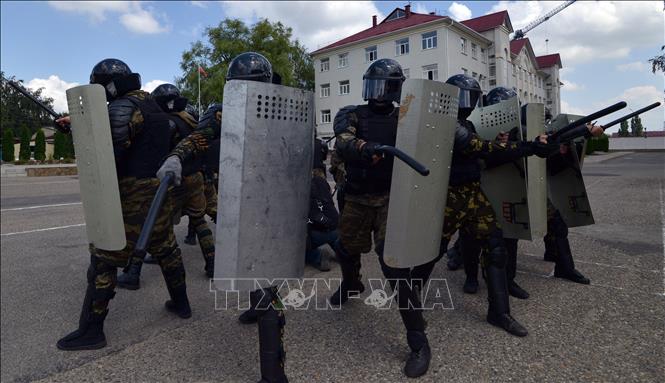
(433, 47)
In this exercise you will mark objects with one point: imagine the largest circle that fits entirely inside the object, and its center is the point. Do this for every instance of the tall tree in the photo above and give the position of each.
(24, 150)
(17, 110)
(636, 127)
(40, 146)
(231, 37)
(623, 129)
(658, 62)
(8, 151)
(58, 145)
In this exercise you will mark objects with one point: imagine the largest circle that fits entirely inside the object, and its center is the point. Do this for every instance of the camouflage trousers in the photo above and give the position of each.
(194, 205)
(135, 198)
(211, 199)
(359, 223)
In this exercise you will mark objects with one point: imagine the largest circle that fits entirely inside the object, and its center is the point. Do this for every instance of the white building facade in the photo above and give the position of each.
(426, 46)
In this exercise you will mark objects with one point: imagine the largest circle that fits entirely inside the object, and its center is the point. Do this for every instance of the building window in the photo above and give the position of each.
(482, 55)
(370, 54)
(512, 67)
(343, 61)
(429, 40)
(482, 83)
(431, 72)
(462, 42)
(465, 71)
(325, 116)
(492, 83)
(344, 87)
(474, 74)
(325, 90)
(520, 70)
(325, 64)
(407, 73)
(402, 47)
(549, 94)
(492, 70)
(474, 51)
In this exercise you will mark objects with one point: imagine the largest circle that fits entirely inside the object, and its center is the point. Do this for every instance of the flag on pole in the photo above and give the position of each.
(202, 71)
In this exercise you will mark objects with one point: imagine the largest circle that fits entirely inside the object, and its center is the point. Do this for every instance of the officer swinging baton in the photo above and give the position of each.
(153, 212)
(587, 119)
(39, 103)
(407, 159)
(582, 130)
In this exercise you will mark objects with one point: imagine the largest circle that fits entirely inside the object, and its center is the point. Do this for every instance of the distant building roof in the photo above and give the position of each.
(517, 45)
(549, 60)
(491, 21)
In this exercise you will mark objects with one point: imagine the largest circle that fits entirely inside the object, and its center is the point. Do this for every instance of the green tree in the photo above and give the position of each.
(17, 110)
(68, 150)
(8, 146)
(658, 62)
(636, 127)
(623, 129)
(231, 37)
(59, 145)
(24, 149)
(40, 146)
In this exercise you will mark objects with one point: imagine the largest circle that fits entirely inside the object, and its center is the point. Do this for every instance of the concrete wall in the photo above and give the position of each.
(637, 143)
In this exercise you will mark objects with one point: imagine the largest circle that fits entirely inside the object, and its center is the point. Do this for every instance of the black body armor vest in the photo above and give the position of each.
(463, 168)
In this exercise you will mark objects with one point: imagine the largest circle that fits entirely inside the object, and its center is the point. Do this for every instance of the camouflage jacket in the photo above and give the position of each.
(207, 130)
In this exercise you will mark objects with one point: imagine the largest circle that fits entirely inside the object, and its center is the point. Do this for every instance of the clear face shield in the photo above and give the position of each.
(468, 99)
(382, 89)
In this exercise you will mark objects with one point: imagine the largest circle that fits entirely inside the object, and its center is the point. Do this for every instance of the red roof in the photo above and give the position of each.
(384, 27)
(548, 60)
(487, 22)
(517, 45)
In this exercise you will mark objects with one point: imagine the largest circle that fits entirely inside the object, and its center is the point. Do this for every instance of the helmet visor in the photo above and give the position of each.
(382, 89)
(468, 98)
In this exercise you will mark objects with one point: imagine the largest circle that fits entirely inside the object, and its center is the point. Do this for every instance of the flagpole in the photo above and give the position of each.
(198, 71)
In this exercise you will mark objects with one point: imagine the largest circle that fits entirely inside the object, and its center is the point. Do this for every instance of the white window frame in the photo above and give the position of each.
(326, 88)
(344, 85)
(402, 47)
(342, 60)
(463, 44)
(406, 72)
(483, 55)
(326, 117)
(429, 42)
(474, 51)
(434, 69)
(368, 54)
(325, 64)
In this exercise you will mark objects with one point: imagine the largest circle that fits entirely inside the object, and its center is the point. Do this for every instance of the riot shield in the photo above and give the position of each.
(426, 131)
(536, 175)
(505, 185)
(266, 147)
(565, 183)
(95, 161)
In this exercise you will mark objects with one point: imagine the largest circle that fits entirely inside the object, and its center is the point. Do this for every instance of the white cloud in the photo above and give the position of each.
(200, 4)
(589, 30)
(571, 86)
(459, 11)
(132, 15)
(315, 23)
(420, 8)
(569, 109)
(55, 88)
(637, 66)
(151, 85)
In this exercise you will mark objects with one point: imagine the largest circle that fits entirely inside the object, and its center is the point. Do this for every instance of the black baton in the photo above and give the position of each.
(407, 159)
(586, 119)
(153, 212)
(39, 103)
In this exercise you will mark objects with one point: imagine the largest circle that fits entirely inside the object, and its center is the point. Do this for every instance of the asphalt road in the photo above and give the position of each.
(612, 330)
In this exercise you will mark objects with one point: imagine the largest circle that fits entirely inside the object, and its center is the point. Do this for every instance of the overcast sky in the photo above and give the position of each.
(604, 46)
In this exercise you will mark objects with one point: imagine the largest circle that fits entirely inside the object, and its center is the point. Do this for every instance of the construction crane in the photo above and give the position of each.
(521, 32)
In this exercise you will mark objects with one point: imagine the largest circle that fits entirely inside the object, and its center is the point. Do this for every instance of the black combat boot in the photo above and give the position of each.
(564, 266)
(351, 284)
(248, 316)
(190, 239)
(89, 336)
(511, 269)
(498, 313)
(420, 356)
(130, 279)
(209, 267)
(455, 259)
(271, 323)
(550, 248)
(179, 303)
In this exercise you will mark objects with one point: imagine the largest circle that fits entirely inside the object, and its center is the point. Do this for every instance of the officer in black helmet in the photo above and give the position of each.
(359, 130)
(140, 132)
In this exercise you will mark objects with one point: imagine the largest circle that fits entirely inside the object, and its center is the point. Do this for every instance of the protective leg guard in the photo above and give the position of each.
(564, 266)
(498, 313)
(550, 248)
(174, 275)
(455, 258)
(351, 284)
(471, 256)
(190, 239)
(206, 242)
(511, 269)
(418, 361)
(271, 331)
(130, 278)
(248, 316)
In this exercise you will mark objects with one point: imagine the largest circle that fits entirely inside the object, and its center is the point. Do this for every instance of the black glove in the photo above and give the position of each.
(544, 150)
(368, 151)
(65, 128)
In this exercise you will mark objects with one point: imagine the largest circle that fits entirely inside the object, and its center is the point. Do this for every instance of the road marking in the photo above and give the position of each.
(46, 229)
(40, 206)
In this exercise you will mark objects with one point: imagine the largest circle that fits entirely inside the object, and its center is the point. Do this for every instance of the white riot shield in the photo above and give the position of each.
(566, 187)
(265, 163)
(98, 179)
(426, 131)
(505, 185)
(536, 173)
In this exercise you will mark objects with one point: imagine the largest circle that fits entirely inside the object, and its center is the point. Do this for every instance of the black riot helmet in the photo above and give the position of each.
(469, 93)
(116, 78)
(168, 98)
(320, 154)
(193, 111)
(383, 81)
(499, 94)
(250, 66)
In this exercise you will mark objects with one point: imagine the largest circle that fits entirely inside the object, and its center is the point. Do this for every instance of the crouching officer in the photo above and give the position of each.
(139, 130)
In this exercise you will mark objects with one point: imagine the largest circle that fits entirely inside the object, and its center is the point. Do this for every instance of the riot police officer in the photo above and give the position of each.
(140, 141)
(359, 131)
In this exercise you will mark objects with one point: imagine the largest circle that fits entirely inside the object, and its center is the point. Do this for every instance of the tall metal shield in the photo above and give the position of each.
(566, 187)
(505, 185)
(266, 146)
(536, 175)
(98, 179)
(426, 131)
